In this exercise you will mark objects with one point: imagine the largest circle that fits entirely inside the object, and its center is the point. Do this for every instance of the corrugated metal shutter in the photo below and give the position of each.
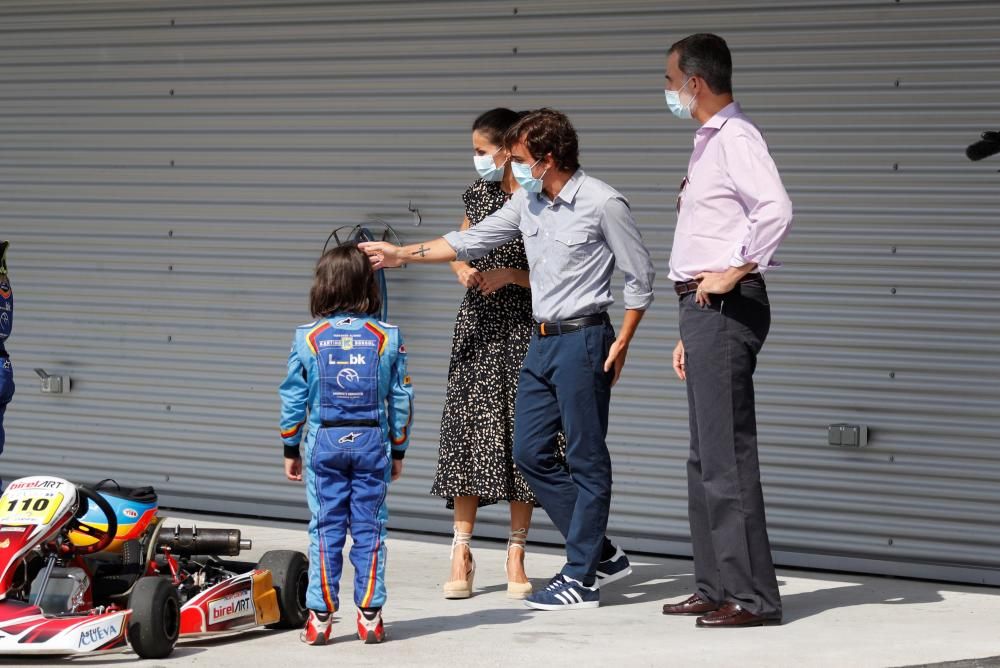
(170, 170)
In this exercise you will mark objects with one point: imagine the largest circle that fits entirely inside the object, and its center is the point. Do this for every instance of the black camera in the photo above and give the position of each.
(985, 147)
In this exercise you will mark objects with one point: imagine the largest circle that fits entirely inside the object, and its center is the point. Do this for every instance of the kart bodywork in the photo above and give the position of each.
(94, 569)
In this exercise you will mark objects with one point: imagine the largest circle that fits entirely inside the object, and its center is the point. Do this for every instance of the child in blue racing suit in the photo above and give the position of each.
(6, 324)
(348, 390)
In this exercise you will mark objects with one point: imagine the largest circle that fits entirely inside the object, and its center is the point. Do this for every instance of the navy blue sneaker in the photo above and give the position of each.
(564, 593)
(613, 569)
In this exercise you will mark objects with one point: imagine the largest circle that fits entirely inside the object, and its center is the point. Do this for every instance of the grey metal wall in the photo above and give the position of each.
(170, 170)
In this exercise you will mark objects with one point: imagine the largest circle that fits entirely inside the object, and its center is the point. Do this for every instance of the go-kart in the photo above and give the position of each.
(93, 569)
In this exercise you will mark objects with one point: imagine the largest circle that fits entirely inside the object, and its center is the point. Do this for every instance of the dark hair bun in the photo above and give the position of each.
(495, 123)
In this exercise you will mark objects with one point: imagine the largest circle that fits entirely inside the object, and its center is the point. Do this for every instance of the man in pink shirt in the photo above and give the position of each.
(732, 214)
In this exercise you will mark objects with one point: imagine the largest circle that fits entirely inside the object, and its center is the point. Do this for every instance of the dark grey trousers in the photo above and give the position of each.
(732, 554)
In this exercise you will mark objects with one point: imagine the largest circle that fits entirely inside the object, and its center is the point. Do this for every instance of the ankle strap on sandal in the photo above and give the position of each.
(460, 538)
(518, 537)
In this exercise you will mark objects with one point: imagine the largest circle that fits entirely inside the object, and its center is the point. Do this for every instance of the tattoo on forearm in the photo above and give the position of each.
(422, 251)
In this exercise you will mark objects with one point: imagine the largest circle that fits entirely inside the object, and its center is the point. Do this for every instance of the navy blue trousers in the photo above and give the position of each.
(563, 386)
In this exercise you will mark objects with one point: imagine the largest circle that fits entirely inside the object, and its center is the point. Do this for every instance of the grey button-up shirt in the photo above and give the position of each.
(573, 244)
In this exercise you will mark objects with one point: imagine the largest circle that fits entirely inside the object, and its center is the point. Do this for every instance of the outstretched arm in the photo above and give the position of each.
(494, 230)
(385, 255)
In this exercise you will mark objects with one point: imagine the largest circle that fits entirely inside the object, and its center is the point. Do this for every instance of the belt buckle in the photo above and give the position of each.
(541, 328)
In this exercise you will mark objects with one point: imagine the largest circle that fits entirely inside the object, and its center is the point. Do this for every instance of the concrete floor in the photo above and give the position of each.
(830, 620)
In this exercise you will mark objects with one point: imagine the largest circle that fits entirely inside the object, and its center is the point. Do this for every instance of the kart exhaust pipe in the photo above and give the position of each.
(189, 541)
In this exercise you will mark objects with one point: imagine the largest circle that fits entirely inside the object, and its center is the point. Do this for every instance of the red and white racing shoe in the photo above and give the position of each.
(318, 628)
(370, 628)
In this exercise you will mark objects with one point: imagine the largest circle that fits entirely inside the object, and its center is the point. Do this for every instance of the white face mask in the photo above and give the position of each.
(487, 168)
(522, 173)
(679, 109)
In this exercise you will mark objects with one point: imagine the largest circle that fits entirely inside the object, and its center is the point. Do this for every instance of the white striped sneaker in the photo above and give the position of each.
(613, 569)
(564, 593)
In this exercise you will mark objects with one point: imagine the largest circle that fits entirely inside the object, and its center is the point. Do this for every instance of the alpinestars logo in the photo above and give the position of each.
(349, 438)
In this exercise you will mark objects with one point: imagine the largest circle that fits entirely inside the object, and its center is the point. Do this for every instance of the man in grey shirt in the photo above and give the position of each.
(576, 229)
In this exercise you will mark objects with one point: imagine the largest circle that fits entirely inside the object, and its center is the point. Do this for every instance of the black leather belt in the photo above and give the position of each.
(687, 287)
(571, 325)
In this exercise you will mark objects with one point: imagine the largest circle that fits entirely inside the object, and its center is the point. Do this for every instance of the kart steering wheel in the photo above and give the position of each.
(103, 536)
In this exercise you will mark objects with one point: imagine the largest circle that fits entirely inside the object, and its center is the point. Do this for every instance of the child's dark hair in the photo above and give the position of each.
(495, 123)
(344, 283)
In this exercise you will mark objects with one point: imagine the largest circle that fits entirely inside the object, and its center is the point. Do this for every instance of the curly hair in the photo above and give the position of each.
(547, 131)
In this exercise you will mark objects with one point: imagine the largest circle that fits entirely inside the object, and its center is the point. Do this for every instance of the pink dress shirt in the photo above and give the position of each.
(732, 208)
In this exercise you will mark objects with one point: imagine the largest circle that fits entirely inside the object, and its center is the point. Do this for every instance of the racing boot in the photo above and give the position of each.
(318, 628)
(370, 628)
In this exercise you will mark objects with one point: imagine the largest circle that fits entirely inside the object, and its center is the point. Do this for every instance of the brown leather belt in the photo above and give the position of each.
(571, 325)
(687, 287)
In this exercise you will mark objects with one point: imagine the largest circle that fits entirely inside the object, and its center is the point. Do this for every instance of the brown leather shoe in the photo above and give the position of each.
(732, 615)
(692, 605)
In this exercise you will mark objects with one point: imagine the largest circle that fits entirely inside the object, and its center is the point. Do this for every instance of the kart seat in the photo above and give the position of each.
(114, 579)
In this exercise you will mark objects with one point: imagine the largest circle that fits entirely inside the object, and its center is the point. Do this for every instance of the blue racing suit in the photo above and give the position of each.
(350, 373)
(6, 370)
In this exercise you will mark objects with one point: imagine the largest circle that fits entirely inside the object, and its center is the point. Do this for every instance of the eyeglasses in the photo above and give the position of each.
(680, 192)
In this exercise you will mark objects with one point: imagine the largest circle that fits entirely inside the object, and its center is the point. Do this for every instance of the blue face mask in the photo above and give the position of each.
(486, 168)
(522, 173)
(679, 109)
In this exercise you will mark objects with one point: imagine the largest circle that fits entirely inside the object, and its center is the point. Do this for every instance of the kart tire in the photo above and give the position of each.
(156, 617)
(290, 575)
